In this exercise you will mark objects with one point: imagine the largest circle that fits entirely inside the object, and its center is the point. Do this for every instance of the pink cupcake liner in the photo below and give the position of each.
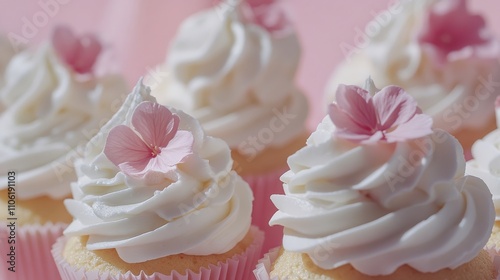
(263, 269)
(238, 267)
(495, 255)
(33, 258)
(263, 186)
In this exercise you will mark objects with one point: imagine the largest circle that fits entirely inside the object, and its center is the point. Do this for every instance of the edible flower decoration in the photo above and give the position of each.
(269, 15)
(78, 52)
(451, 32)
(152, 146)
(369, 116)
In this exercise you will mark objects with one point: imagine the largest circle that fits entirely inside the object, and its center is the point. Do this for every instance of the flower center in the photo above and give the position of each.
(155, 150)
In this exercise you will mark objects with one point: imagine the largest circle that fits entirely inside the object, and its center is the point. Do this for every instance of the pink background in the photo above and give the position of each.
(137, 33)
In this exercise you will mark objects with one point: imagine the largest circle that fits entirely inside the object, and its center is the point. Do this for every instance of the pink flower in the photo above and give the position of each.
(269, 15)
(451, 32)
(80, 53)
(152, 147)
(390, 115)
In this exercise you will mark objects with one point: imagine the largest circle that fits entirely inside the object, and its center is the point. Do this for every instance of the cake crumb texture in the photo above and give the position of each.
(292, 266)
(108, 260)
(39, 210)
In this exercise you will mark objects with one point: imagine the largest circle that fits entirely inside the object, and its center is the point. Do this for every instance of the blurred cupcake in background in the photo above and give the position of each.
(378, 194)
(53, 105)
(485, 164)
(233, 68)
(443, 54)
(157, 199)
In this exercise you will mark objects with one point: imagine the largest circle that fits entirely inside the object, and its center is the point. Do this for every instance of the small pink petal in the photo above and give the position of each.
(394, 106)
(419, 126)
(65, 43)
(269, 15)
(178, 148)
(88, 51)
(358, 104)
(124, 148)
(345, 124)
(155, 123)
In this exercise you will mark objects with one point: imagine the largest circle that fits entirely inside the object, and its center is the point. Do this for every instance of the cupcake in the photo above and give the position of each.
(486, 165)
(156, 197)
(377, 194)
(53, 105)
(232, 67)
(441, 53)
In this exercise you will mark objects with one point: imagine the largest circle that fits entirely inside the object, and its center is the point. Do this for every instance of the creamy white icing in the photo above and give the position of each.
(49, 114)
(381, 206)
(205, 210)
(486, 165)
(457, 95)
(234, 77)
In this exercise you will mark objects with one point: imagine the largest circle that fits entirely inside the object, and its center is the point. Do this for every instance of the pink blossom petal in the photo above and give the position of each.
(178, 148)
(88, 51)
(358, 104)
(345, 124)
(126, 150)
(451, 28)
(419, 126)
(394, 106)
(65, 43)
(155, 123)
(269, 15)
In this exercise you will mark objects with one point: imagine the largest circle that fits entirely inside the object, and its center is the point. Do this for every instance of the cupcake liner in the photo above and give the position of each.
(33, 258)
(263, 186)
(238, 267)
(263, 269)
(494, 252)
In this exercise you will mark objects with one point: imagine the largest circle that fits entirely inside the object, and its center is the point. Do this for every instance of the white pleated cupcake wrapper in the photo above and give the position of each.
(238, 267)
(33, 258)
(263, 269)
(263, 187)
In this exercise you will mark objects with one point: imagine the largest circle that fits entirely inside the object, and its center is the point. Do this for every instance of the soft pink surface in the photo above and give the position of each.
(136, 33)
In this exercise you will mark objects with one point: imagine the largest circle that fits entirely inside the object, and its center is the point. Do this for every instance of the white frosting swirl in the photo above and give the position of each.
(486, 165)
(457, 95)
(234, 77)
(49, 114)
(381, 206)
(206, 210)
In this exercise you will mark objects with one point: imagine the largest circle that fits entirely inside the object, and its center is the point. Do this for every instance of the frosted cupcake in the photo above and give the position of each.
(53, 105)
(233, 67)
(156, 197)
(486, 165)
(441, 53)
(377, 194)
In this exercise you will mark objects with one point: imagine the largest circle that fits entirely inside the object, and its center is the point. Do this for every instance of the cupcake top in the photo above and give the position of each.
(439, 51)
(377, 188)
(152, 184)
(486, 162)
(53, 105)
(232, 67)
